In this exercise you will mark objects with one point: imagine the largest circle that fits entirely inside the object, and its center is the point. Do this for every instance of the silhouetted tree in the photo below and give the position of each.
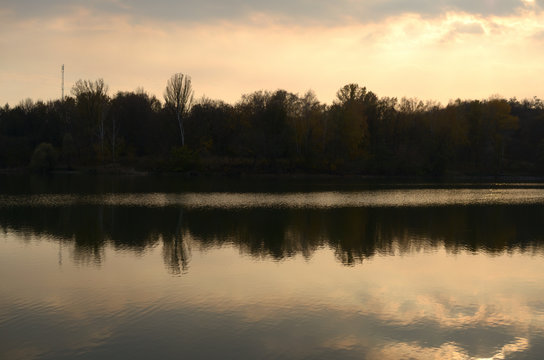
(211, 123)
(92, 100)
(179, 97)
(279, 131)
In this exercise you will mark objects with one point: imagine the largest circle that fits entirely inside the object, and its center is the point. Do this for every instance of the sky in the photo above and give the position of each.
(430, 49)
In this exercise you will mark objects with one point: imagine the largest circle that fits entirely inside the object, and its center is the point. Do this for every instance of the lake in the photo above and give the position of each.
(165, 267)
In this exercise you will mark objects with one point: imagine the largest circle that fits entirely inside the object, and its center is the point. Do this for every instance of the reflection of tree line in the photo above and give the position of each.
(354, 233)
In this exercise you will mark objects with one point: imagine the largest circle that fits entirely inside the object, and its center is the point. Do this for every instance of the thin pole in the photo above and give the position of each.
(62, 98)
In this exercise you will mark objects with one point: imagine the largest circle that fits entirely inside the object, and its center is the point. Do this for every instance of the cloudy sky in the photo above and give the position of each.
(430, 49)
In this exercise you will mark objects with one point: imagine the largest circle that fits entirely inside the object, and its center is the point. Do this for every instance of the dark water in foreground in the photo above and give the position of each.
(141, 268)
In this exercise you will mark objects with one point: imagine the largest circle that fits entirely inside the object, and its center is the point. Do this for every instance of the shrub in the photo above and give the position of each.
(183, 159)
(44, 158)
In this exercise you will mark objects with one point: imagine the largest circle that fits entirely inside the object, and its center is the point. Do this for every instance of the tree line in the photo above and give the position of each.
(274, 132)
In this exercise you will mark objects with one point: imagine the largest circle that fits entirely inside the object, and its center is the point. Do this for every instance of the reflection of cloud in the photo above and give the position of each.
(342, 343)
(453, 313)
(520, 345)
(447, 351)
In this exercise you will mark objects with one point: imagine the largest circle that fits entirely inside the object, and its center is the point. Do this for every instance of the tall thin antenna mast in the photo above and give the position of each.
(62, 98)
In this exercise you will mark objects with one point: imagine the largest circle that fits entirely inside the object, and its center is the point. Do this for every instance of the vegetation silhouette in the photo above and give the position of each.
(178, 97)
(277, 132)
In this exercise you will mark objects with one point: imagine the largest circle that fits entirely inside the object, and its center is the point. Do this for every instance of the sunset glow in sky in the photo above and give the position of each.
(431, 49)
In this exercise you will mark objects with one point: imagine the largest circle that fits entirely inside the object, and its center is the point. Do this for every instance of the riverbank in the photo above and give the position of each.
(117, 170)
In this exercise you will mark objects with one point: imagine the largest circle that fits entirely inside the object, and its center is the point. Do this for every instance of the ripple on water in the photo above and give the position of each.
(328, 199)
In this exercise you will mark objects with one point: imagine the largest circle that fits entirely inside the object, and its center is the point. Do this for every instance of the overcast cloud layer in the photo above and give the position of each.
(319, 11)
(431, 49)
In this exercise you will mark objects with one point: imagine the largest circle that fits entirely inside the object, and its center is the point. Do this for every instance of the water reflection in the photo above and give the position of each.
(355, 234)
(330, 199)
(376, 282)
(424, 306)
(176, 250)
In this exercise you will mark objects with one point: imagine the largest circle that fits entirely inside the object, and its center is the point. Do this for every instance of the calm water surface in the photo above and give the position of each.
(142, 267)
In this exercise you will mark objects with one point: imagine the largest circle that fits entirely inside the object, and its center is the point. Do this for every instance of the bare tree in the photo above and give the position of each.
(179, 97)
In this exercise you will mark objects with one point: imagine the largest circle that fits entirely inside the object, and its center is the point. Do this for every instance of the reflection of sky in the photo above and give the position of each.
(330, 199)
(428, 304)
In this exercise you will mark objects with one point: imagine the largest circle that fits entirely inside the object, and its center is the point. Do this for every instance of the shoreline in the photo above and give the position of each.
(125, 171)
